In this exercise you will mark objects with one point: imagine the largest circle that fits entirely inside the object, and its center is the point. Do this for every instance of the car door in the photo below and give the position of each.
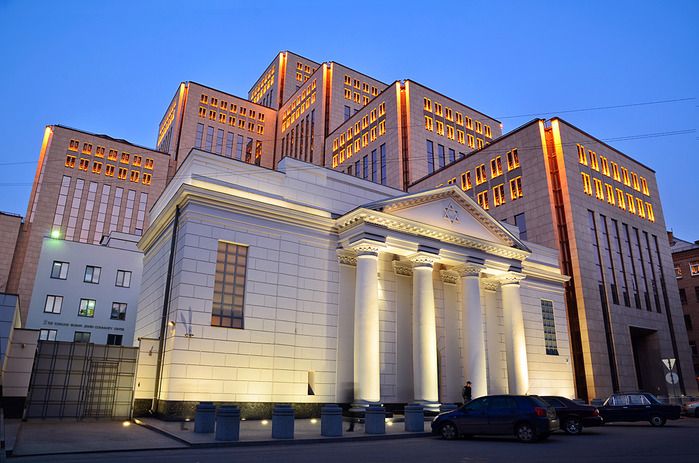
(474, 417)
(501, 415)
(616, 408)
(639, 407)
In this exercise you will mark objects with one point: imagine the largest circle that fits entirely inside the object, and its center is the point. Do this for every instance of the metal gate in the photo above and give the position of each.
(79, 380)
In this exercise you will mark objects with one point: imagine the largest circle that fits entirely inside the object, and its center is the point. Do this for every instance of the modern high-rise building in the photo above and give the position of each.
(685, 256)
(283, 77)
(86, 186)
(564, 188)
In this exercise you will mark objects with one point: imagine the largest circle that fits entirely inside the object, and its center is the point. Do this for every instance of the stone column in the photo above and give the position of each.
(404, 330)
(451, 354)
(366, 325)
(515, 341)
(497, 381)
(473, 354)
(425, 381)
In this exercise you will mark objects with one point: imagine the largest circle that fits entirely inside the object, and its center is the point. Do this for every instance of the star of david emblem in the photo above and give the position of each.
(451, 213)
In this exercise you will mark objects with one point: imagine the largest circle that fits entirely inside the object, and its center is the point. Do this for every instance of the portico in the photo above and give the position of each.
(479, 263)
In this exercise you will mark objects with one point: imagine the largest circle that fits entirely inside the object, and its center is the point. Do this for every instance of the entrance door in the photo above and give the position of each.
(101, 389)
(647, 360)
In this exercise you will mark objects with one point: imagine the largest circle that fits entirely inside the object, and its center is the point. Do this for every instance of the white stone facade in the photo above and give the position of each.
(326, 253)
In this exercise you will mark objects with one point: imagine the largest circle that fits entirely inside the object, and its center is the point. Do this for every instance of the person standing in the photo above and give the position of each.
(466, 393)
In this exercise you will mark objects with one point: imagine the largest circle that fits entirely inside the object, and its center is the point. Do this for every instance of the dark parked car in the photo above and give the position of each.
(528, 418)
(572, 415)
(638, 406)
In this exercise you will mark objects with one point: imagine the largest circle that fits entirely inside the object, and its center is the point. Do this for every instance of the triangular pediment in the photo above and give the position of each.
(450, 209)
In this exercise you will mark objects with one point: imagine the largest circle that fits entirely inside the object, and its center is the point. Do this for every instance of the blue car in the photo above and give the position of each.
(528, 418)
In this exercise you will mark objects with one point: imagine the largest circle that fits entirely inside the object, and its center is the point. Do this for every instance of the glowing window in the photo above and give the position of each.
(70, 161)
(471, 140)
(466, 181)
(644, 186)
(229, 285)
(512, 159)
(488, 133)
(84, 164)
(438, 108)
(582, 157)
(87, 148)
(124, 158)
(599, 189)
(109, 170)
(149, 163)
(382, 109)
(146, 178)
(73, 145)
(615, 172)
(460, 137)
(99, 152)
(516, 188)
(587, 185)
(634, 181)
(610, 194)
(496, 167)
(450, 132)
(123, 173)
(136, 160)
(483, 200)
(625, 176)
(96, 167)
(479, 127)
(499, 195)
(480, 174)
(639, 207)
(135, 176)
(440, 128)
(630, 203)
(605, 165)
(620, 199)
(382, 127)
(594, 162)
(427, 104)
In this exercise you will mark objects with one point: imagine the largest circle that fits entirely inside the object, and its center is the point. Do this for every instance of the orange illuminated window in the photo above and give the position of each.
(84, 164)
(488, 132)
(625, 176)
(382, 127)
(73, 145)
(123, 173)
(496, 167)
(372, 115)
(87, 148)
(516, 188)
(634, 181)
(605, 165)
(620, 199)
(459, 118)
(212, 115)
(99, 152)
(428, 123)
(480, 174)
(427, 104)
(109, 170)
(202, 111)
(650, 213)
(587, 185)
(204, 99)
(469, 123)
(149, 163)
(356, 97)
(348, 80)
(348, 94)
(640, 208)
(96, 167)
(512, 159)
(460, 137)
(374, 91)
(135, 176)
(124, 158)
(136, 160)
(222, 118)
(466, 181)
(479, 143)
(483, 200)
(438, 108)
(471, 140)
(630, 203)
(70, 161)
(113, 154)
(224, 105)
(214, 101)
(644, 186)
(499, 195)
(599, 189)
(594, 162)
(440, 128)
(479, 127)
(450, 132)
(615, 172)
(448, 114)
(610, 194)
(382, 109)
(582, 158)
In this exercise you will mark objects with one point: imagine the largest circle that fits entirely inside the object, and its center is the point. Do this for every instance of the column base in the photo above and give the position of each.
(428, 405)
(360, 406)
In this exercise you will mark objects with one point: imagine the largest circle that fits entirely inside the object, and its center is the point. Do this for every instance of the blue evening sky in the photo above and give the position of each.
(113, 66)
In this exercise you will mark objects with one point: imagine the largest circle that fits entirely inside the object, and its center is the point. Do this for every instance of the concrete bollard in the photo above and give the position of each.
(228, 423)
(283, 421)
(375, 420)
(414, 418)
(447, 407)
(204, 417)
(331, 421)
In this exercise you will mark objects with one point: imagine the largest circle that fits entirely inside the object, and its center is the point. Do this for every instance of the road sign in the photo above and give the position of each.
(669, 364)
(672, 378)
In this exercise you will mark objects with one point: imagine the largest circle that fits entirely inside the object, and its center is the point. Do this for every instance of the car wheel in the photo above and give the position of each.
(657, 420)
(448, 431)
(525, 433)
(572, 426)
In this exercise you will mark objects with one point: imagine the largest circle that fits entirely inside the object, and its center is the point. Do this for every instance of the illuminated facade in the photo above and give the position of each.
(340, 290)
(685, 256)
(283, 77)
(564, 188)
(86, 186)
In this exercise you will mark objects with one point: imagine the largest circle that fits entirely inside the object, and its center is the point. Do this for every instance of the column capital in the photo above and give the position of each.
(490, 284)
(401, 267)
(424, 259)
(345, 257)
(449, 276)
(511, 278)
(469, 270)
(366, 247)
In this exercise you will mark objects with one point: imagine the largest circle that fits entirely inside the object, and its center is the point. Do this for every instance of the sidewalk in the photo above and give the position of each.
(259, 432)
(46, 437)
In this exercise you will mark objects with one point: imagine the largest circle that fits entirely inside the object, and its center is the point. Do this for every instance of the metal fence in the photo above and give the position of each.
(80, 380)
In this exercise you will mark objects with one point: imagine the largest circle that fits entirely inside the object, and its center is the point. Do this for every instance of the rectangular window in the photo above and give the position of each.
(87, 148)
(644, 186)
(496, 167)
(678, 273)
(428, 124)
(630, 203)
(549, 327)
(649, 212)
(348, 112)
(594, 162)
(112, 156)
(147, 178)
(96, 167)
(521, 223)
(452, 155)
(382, 151)
(84, 164)
(466, 181)
(430, 156)
(427, 104)
(499, 195)
(373, 165)
(219, 141)
(483, 200)
(73, 145)
(440, 128)
(634, 181)
(70, 161)
(123, 173)
(516, 188)
(471, 141)
(123, 279)
(587, 186)
(605, 166)
(512, 159)
(47, 335)
(610, 194)
(694, 268)
(620, 199)
(365, 167)
(209, 138)
(81, 336)
(53, 304)
(118, 311)
(480, 174)
(99, 151)
(441, 158)
(114, 339)
(92, 274)
(625, 176)
(135, 176)
(229, 285)
(87, 308)
(59, 270)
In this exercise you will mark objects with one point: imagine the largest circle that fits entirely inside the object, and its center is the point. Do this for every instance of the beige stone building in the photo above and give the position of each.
(564, 188)
(283, 77)
(9, 231)
(218, 122)
(86, 186)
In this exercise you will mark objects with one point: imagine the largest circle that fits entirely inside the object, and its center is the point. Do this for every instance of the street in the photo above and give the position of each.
(636, 442)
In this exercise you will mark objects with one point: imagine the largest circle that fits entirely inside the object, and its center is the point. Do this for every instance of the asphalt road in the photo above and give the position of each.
(638, 443)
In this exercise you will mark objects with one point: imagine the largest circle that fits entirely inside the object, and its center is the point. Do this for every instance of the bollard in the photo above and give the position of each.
(228, 423)
(414, 418)
(283, 421)
(331, 421)
(447, 407)
(375, 420)
(204, 417)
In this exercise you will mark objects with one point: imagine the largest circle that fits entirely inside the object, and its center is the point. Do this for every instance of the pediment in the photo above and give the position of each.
(450, 209)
